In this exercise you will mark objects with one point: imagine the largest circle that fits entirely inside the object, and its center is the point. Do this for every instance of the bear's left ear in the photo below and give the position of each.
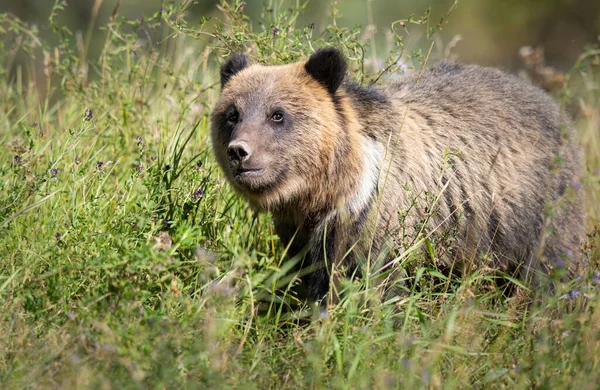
(233, 65)
(328, 67)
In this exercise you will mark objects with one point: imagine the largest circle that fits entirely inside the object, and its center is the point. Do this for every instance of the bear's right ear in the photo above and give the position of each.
(233, 65)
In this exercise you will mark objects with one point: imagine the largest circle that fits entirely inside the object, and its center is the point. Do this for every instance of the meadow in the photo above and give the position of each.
(126, 260)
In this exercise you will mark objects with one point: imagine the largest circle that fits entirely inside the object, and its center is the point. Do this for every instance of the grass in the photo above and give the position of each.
(126, 261)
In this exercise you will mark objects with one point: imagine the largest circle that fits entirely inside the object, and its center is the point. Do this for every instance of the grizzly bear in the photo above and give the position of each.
(354, 174)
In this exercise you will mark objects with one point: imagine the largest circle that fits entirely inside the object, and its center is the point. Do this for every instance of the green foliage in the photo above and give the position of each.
(127, 262)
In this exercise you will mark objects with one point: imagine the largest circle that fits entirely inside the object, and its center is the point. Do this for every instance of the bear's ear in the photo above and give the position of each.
(233, 65)
(328, 67)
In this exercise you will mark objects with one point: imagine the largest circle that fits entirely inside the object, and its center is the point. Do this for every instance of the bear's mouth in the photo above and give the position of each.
(249, 172)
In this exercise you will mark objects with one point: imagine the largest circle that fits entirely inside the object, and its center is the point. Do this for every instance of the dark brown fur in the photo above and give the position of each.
(346, 160)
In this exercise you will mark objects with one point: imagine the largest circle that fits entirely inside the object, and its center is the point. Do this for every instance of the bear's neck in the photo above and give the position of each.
(347, 185)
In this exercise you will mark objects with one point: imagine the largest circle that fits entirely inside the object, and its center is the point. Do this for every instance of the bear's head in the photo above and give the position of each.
(276, 129)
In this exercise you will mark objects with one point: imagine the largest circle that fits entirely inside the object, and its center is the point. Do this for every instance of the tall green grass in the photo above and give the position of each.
(126, 261)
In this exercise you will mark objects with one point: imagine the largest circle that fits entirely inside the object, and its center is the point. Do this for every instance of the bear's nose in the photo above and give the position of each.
(239, 151)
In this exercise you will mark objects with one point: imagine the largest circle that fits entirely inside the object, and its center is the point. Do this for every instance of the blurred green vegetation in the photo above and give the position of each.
(491, 31)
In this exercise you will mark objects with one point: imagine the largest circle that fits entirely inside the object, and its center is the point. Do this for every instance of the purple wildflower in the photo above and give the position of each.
(88, 114)
(70, 315)
(17, 159)
(54, 171)
(58, 236)
(197, 194)
(140, 141)
(34, 125)
(99, 165)
(576, 185)
(275, 31)
(574, 294)
(559, 263)
(154, 158)
(139, 167)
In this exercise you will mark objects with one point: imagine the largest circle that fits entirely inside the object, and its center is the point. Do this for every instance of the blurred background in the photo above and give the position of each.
(487, 32)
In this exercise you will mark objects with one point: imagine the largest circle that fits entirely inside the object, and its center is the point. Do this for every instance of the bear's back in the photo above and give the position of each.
(499, 151)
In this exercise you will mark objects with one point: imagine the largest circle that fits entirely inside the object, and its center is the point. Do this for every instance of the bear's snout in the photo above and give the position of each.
(239, 151)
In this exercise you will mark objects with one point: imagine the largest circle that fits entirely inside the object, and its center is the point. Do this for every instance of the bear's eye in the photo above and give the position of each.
(277, 117)
(233, 116)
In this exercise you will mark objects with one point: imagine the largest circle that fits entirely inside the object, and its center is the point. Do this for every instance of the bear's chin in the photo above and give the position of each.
(257, 182)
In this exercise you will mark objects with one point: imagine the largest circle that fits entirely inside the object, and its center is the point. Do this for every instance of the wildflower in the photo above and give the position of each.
(54, 171)
(154, 158)
(17, 159)
(596, 278)
(566, 333)
(576, 185)
(139, 167)
(574, 294)
(34, 125)
(275, 31)
(77, 160)
(58, 236)
(70, 315)
(559, 263)
(88, 114)
(99, 165)
(140, 141)
(197, 194)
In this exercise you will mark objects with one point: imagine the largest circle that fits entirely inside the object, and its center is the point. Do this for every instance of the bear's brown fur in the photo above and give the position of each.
(352, 172)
